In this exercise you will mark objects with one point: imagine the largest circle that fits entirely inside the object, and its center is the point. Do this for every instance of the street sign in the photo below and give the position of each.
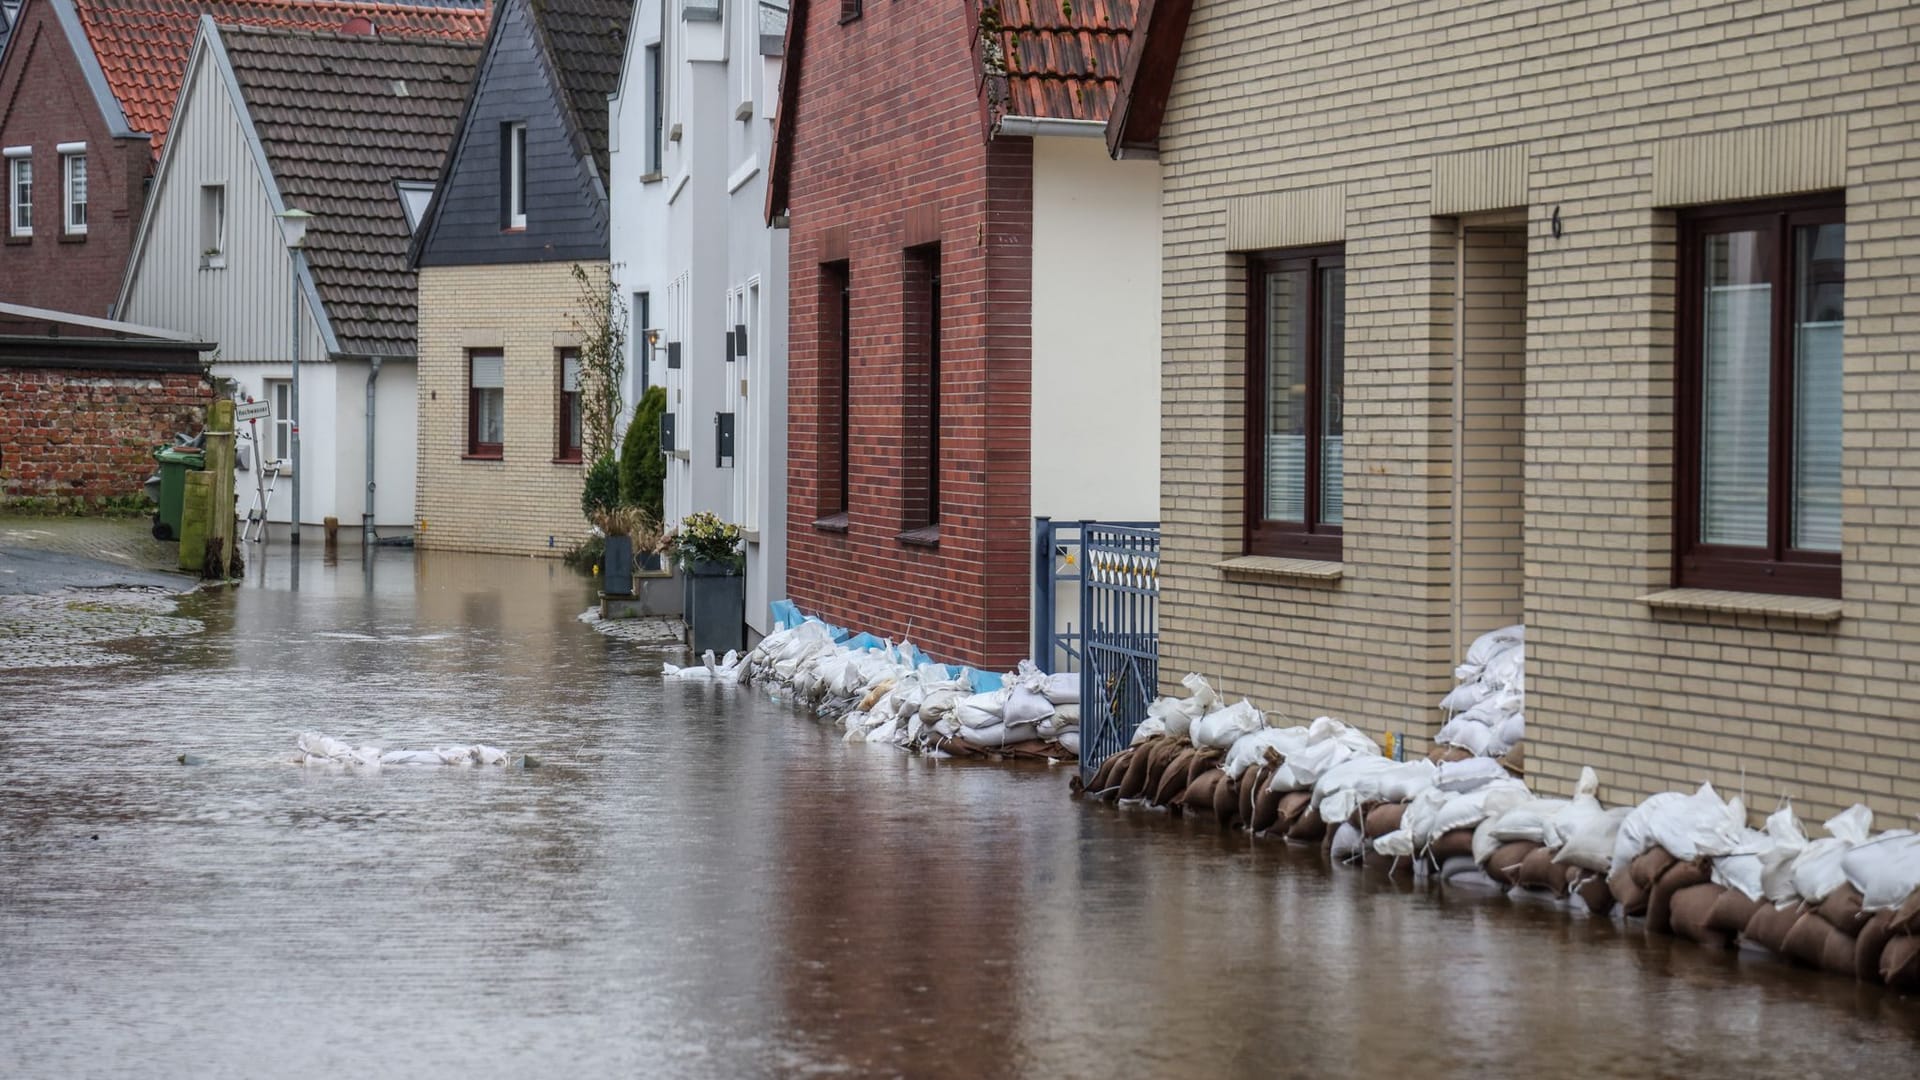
(252, 410)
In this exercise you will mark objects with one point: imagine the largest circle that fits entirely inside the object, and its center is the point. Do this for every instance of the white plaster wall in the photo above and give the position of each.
(319, 416)
(1096, 333)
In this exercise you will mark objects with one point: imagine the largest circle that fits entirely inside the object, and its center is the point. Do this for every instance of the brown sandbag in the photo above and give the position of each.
(1595, 893)
(1770, 926)
(1504, 863)
(1173, 779)
(1842, 909)
(1814, 942)
(1293, 804)
(1202, 761)
(1308, 826)
(1732, 912)
(1226, 801)
(1266, 813)
(1900, 963)
(1539, 872)
(1630, 894)
(1135, 780)
(1690, 914)
(1681, 875)
(1869, 944)
(1110, 771)
(1647, 867)
(1383, 819)
(1906, 920)
(1451, 845)
(1199, 794)
(1455, 753)
(1252, 783)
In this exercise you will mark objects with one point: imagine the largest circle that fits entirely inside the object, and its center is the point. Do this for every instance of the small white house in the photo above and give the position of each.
(350, 127)
(694, 258)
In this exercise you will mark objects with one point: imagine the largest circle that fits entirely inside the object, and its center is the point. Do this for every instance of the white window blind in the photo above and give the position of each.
(489, 371)
(1736, 395)
(1819, 284)
(569, 374)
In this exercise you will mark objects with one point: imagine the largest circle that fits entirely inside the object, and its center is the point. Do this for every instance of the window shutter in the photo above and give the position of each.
(489, 371)
(1734, 421)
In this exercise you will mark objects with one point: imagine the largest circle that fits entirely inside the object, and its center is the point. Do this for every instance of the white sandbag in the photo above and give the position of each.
(1347, 842)
(1886, 869)
(1062, 688)
(1398, 844)
(1221, 728)
(998, 735)
(1457, 777)
(1507, 734)
(1051, 727)
(1470, 809)
(1251, 749)
(1471, 736)
(1070, 739)
(1531, 820)
(1635, 834)
(1504, 669)
(1820, 868)
(1776, 862)
(1178, 714)
(1150, 727)
(1701, 825)
(884, 732)
(1418, 818)
(1304, 768)
(1404, 781)
(1327, 729)
(1347, 782)
(983, 710)
(938, 705)
(1466, 696)
(1025, 706)
(1493, 642)
(1590, 845)
(1068, 713)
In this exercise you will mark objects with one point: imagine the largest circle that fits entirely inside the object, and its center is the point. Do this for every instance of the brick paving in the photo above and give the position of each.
(48, 554)
(661, 630)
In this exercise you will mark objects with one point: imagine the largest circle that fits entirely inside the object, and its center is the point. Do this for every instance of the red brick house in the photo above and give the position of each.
(973, 307)
(87, 90)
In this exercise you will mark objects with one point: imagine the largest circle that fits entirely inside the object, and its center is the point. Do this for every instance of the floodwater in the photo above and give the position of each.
(700, 882)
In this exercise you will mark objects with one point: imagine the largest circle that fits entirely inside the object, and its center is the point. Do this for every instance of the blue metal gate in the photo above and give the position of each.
(1120, 635)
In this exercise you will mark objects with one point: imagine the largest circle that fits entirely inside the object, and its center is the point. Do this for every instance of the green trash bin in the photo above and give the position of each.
(174, 463)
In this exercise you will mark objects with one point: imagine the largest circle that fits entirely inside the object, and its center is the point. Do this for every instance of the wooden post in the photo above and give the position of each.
(195, 502)
(332, 527)
(220, 465)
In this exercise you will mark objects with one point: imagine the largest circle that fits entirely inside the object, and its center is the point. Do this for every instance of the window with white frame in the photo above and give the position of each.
(19, 190)
(213, 224)
(280, 442)
(73, 187)
(513, 181)
(656, 112)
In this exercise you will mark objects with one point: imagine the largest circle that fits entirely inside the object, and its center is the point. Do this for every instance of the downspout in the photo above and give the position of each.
(1047, 125)
(367, 537)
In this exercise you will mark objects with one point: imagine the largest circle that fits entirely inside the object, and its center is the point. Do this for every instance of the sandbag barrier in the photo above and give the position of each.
(1680, 864)
(879, 692)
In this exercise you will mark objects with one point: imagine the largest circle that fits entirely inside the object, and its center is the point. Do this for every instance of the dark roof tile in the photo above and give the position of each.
(1063, 58)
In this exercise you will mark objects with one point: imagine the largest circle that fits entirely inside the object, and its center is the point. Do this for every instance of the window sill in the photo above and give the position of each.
(1270, 566)
(929, 536)
(833, 523)
(513, 229)
(751, 536)
(1818, 609)
(567, 460)
(27, 239)
(483, 457)
(73, 238)
(744, 110)
(682, 455)
(212, 262)
(652, 177)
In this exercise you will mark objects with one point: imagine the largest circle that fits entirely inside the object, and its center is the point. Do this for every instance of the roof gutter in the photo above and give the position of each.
(1046, 125)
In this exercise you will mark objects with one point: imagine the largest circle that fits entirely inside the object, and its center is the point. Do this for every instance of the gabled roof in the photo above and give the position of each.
(1062, 60)
(142, 45)
(1039, 59)
(1135, 121)
(342, 118)
(585, 42)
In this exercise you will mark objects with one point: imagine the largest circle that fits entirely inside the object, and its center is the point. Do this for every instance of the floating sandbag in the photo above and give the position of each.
(314, 748)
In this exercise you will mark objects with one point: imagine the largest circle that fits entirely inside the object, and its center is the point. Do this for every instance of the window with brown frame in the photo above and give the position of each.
(568, 448)
(1760, 320)
(835, 418)
(920, 341)
(1295, 396)
(486, 402)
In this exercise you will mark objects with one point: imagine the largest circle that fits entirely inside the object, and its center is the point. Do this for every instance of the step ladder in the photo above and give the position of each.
(254, 529)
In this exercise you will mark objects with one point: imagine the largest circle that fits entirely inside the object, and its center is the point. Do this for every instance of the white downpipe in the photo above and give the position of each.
(1046, 125)
(367, 536)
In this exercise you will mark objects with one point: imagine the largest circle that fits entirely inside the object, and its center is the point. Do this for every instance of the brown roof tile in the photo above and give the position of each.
(1063, 58)
(342, 118)
(142, 45)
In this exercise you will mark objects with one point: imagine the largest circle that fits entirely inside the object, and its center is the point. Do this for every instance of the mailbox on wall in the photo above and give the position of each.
(666, 432)
(673, 354)
(723, 439)
(740, 340)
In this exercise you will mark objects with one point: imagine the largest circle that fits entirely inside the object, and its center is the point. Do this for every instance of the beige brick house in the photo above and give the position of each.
(521, 202)
(1485, 312)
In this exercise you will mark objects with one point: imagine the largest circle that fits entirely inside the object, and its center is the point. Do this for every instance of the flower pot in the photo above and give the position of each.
(616, 567)
(716, 606)
(650, 562)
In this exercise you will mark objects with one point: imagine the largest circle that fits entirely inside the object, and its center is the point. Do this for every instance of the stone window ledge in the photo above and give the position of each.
(1269, 566)
(1808, 608)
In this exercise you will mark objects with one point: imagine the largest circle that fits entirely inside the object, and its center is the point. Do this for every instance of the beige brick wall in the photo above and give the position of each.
(1610, 114)
(516, 504)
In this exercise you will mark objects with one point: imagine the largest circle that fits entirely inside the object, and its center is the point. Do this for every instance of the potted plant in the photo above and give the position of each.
(618, 524)
(649, 540)
(707, 550)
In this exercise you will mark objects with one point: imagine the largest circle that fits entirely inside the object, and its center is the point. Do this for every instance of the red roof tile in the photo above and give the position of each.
(142, 45)
(1063, 58)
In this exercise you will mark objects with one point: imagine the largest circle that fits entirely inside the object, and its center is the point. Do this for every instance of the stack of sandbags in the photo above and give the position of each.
(1521, 847)
(1436, 828)
(1486, 711)
(729, 670)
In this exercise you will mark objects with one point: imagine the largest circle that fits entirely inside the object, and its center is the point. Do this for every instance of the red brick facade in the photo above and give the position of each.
(88, 432)
(887, 150)
(45, 101)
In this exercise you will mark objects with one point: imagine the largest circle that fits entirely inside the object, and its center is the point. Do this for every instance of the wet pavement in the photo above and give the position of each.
(41, 555)
(699, 882)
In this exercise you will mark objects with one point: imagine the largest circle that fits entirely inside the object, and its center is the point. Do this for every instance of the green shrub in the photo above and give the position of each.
(643, 469)
(602, 491)
(586, 555)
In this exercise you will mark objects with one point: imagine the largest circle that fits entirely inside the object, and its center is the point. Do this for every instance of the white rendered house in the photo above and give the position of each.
(209, 258)
(693, 258)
